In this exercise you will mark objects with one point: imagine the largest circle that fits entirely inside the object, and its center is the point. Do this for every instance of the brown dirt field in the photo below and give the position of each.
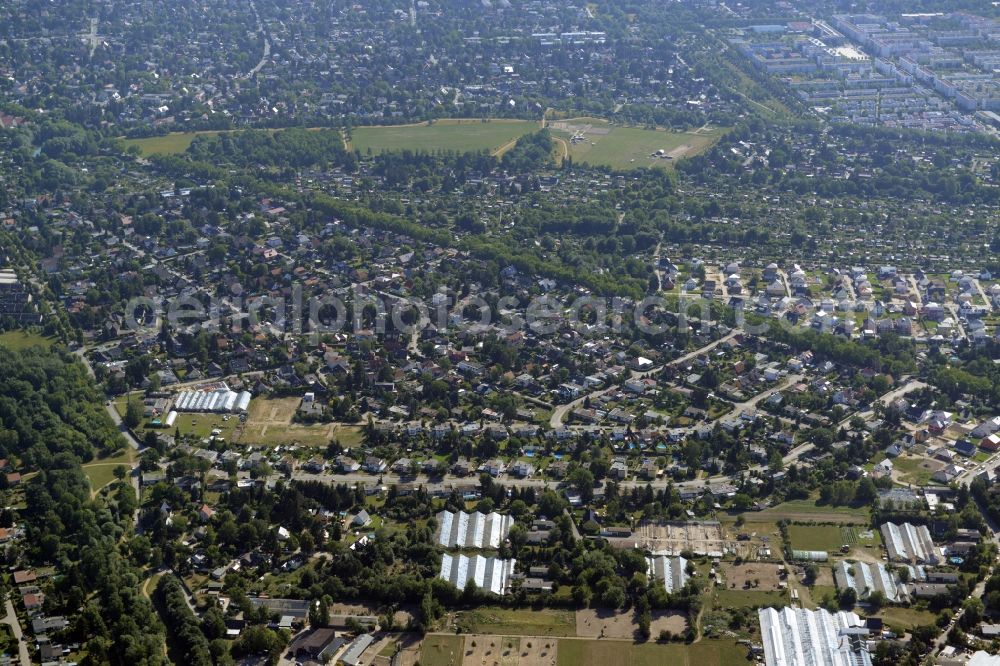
(679, 151)
(736, 577)
(825, 576)
(492, 650)
(596, 622)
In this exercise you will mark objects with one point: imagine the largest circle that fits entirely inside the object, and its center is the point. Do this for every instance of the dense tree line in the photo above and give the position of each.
(51, 415)
(182, 625)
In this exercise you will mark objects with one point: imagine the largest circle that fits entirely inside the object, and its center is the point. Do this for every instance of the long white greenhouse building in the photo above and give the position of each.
(490, 573)
(221, 399)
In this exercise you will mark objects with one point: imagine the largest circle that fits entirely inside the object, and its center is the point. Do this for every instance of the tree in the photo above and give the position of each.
(319, 613)
(133, 414)
(848, 597)
(866, 491)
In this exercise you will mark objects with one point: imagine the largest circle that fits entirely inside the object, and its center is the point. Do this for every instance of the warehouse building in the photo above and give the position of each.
(489, 573)
(909, 543)
(671, 570)
(865, 578)
(472, 530)
(800, 637)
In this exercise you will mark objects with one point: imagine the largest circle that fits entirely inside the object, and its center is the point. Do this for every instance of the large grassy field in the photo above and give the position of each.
(624, 148)
(442, 650)
(459, 135)
(723, 598)
(808, 509)
(269, 423)
(520, 622)
(620, 653)
(17, 340)
(816, 537)
(168, 144)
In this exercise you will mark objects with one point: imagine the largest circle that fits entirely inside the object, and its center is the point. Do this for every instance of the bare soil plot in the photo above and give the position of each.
(401, 617)
(442, 650)
(493, 650)
(753, 575)
(603, 623)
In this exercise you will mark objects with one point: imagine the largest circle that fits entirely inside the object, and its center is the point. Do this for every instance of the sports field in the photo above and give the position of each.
(598, 143)
(459, 135)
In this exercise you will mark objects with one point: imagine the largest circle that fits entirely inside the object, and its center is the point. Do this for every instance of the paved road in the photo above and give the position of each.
(15, 627)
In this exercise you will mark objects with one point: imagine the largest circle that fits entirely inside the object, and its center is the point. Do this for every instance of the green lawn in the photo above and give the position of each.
(628, 147)
(442, 650)
(17, 340)
(101, 472)
(620, 653)
(201, 425)
(915, 470)
(816, 537)
(906, 618)
(460, 135)
(519, 622)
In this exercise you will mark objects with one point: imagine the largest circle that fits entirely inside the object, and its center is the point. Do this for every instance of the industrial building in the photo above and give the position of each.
(800, 637)
(865, 578)
(472, 530)
(220, 399)
(671, 570)
(489, 573)
(909, 543)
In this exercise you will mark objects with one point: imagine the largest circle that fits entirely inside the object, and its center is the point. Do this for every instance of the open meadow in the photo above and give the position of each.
(458, 135)
(599, 143)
